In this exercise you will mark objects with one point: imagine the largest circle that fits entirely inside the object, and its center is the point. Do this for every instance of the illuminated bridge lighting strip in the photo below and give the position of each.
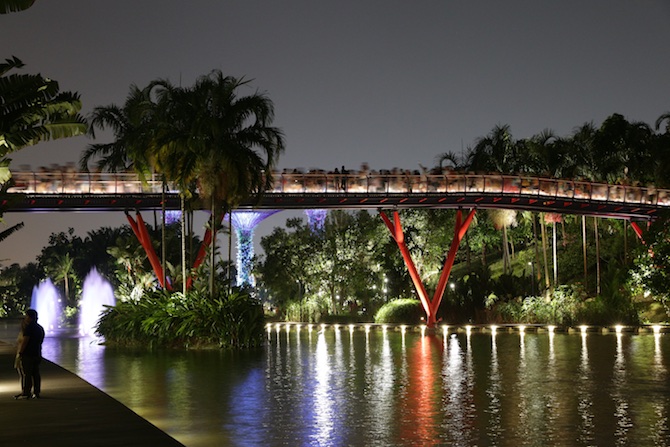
(361, 187)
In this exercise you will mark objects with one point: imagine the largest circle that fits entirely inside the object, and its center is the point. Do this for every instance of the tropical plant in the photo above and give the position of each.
(7, 6)
(224, 141)
(400, 311)
(33, 109)
(230, 320)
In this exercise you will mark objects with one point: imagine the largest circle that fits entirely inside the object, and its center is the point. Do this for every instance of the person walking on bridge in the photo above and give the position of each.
(30, 357)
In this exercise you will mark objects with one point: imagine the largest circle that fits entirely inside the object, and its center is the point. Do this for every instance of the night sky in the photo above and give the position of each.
(391, 83)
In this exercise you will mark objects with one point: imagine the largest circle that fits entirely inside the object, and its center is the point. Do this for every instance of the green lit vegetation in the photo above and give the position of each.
(231, 320)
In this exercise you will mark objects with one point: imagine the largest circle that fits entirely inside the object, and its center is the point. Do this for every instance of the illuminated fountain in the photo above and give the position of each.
(96, 293)
(47, 302)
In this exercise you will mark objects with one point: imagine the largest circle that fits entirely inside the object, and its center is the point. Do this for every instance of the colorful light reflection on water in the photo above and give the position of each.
(330, 387)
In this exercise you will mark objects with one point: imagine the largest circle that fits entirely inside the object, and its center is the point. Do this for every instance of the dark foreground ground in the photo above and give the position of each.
(71, 412)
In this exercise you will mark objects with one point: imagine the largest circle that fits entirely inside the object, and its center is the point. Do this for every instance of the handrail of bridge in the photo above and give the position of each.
(295, 183)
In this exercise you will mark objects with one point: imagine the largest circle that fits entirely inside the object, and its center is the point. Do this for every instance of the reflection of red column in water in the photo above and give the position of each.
(421, 412)
(429, 306)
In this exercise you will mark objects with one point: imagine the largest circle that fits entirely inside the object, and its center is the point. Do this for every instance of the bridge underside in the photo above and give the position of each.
(115, 202)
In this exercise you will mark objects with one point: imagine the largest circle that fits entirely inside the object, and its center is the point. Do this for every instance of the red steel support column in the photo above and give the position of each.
(140, 230)
(399, 237)
(429, 306)
(459, 231)
(638, 230)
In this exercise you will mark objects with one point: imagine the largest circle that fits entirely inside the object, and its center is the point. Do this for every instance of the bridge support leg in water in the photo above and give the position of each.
(430, 306)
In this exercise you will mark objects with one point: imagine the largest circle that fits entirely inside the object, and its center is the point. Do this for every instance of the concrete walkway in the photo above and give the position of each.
(71, 412)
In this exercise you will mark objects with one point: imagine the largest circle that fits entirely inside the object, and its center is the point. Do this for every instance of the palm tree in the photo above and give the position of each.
(7, 6)
(131, 126)
(496, 152)
(63, 270)
(664, 117)
(223, 140)
(33, 109)
(503, 219)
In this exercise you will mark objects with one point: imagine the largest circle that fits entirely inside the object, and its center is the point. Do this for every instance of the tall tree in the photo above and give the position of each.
(225, 141)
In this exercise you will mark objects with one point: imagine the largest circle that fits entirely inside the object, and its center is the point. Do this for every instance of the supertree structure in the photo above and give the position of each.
(245, 223)
(316, 219)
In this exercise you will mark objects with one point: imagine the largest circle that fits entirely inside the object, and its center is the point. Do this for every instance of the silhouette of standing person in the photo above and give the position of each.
(30, 357)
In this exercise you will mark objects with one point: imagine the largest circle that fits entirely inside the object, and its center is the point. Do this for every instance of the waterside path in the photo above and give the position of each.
(70, 413)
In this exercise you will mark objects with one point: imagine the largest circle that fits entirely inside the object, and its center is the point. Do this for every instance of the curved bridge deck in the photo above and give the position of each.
(81, 191)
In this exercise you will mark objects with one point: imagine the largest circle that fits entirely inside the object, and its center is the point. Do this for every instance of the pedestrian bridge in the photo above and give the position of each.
(85, 191)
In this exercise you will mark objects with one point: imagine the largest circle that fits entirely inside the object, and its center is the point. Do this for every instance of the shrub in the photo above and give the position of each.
(163, 319)
(404, 310)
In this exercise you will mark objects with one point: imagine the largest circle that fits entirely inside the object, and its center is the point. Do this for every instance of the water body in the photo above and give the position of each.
(340, 388)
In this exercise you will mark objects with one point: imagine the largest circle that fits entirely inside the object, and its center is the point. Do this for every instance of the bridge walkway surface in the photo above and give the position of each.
(71, 412)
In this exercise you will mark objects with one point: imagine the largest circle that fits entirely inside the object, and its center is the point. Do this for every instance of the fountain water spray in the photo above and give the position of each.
(48, 304)
(96, 293)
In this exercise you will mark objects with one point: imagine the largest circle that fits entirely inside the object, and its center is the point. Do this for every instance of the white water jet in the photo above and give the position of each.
(48, 304)
(96, 293)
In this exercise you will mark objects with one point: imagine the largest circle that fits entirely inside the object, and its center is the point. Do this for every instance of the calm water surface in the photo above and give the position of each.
(340, 388)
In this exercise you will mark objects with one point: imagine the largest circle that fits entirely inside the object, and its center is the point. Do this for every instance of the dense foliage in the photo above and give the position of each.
(400, 311)
(231, 320)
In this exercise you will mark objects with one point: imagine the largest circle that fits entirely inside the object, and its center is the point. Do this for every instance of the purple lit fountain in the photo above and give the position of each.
(96, 293)
(48, 304)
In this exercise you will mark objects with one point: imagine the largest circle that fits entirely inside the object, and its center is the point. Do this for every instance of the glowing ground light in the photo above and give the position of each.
(352, 328)
(288, 327)
(618, 328)
(551, 328)
(310, 327)
(657, 329)
(583, 328)
(445, 330)
(298, 327)
(403, 328)
(468, 330)
(522, 329)
(384, 327)
(423, 330)
(494, 329)
(278, 327)
(367, 329)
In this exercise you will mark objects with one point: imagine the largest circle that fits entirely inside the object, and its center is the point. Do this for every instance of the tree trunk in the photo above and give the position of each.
(506, 261)
(544, 254)
(183, 245)
(163, 243)
(625, 242)
(212, 265)
(538, 274)
(586, 269)
(230, 249)
(595, 225)
(554, 251)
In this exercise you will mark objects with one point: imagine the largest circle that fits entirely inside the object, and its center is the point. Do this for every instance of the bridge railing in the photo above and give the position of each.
(82, 183)
(542, 188)
(360, 183)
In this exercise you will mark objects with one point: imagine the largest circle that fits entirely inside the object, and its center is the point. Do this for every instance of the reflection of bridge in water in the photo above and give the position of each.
(81, 191)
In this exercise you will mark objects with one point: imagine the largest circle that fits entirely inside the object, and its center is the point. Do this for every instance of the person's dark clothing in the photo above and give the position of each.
(31, 380)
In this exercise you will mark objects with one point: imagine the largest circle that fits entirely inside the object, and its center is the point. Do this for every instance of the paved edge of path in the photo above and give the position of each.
(71, 412)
